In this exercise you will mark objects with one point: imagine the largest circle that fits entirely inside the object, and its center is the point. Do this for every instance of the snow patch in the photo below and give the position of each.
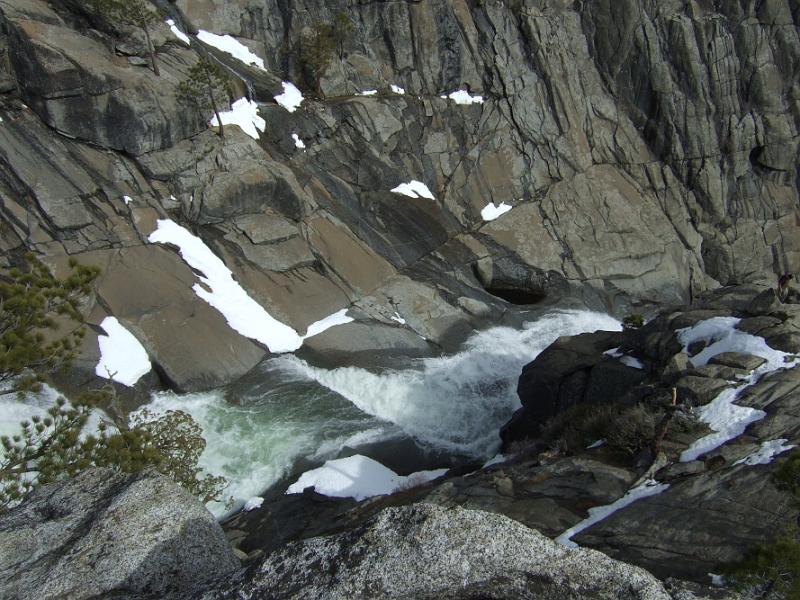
(127, 200)
(122, 357)
(253, 503)
(397, 89)
(398, 319)
(368, 93)
(298, 143)
(220, 290)
(178, 33)
(337, 318)
(598, 444)
(243, 113)
(727, 419)
(490, 212)
(232, 46)
(764, 455)
(358, 477)
(414, 189)
(630, 361)
(649, 488)
(722, 336)
(291, 98)
(496, 459)
(463, 97)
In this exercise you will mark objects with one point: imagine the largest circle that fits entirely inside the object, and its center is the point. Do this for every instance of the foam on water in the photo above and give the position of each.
(456, 403)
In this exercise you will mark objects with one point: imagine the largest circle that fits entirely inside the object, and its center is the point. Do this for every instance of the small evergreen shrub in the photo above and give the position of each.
(770, 571)
(633, 321)
(628, 429)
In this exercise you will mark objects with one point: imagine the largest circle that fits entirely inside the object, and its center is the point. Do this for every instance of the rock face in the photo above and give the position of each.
(647, 150)
(425, 551)
(716, 506)
(103, 534)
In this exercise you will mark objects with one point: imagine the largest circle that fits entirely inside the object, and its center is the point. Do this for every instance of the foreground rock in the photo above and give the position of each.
(104, 534)
(425, 551)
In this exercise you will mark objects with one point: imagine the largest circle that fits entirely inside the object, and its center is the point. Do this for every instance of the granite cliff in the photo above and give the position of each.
(648, 150)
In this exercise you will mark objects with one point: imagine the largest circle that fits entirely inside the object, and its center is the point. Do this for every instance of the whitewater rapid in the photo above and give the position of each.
(454, 404)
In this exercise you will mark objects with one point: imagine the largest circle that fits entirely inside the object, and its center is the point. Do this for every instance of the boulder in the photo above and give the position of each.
(424, 551)
(106, 534)
(571, 371)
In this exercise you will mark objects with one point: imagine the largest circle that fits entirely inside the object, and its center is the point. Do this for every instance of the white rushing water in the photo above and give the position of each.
(454, 404)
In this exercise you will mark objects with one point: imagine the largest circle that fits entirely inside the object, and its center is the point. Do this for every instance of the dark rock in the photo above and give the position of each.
(571, 371)
(699, 390)
(737, 360)
(105, 534)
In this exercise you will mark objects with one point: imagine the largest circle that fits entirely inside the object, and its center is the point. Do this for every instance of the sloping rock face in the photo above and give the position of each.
(647, 150)
(425, 551)
(103, 534)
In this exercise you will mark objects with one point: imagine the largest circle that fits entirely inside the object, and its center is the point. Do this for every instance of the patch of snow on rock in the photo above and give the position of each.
(222, 292)
(178, 33)
(768, 450)
(463, 97)
(232, 46)
(122, 357)
(291, 98)
(337, 318)
(414, 189)
(630, 361)
(496, 459)
(368, 93)
(727, 419)
(490, 212)
(397, 89)
(127, 200)
(298, 143)
(649, 488)
(398, 319)
(358, 477)
(243, 113)
(253, 503)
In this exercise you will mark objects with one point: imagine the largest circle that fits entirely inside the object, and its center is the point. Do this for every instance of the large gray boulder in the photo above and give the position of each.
(424, 551)
(105, 534)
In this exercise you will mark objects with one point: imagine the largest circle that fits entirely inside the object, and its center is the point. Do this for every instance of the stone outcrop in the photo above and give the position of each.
(426, 551)
(103, 534)
(646, 150)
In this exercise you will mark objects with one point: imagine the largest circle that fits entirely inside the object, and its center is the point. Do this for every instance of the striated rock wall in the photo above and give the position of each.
(648, 149)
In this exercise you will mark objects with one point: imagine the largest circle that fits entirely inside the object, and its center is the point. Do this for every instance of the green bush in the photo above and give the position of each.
(318, 46)
(625, 428)
(770, 571)
(633, 321)
(632, 429)
(787, 476)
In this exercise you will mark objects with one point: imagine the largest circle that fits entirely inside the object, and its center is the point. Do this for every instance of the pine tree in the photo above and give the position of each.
(207, 86)
(316, 48)
(56, 445)
(137, 13)
(31, 299)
